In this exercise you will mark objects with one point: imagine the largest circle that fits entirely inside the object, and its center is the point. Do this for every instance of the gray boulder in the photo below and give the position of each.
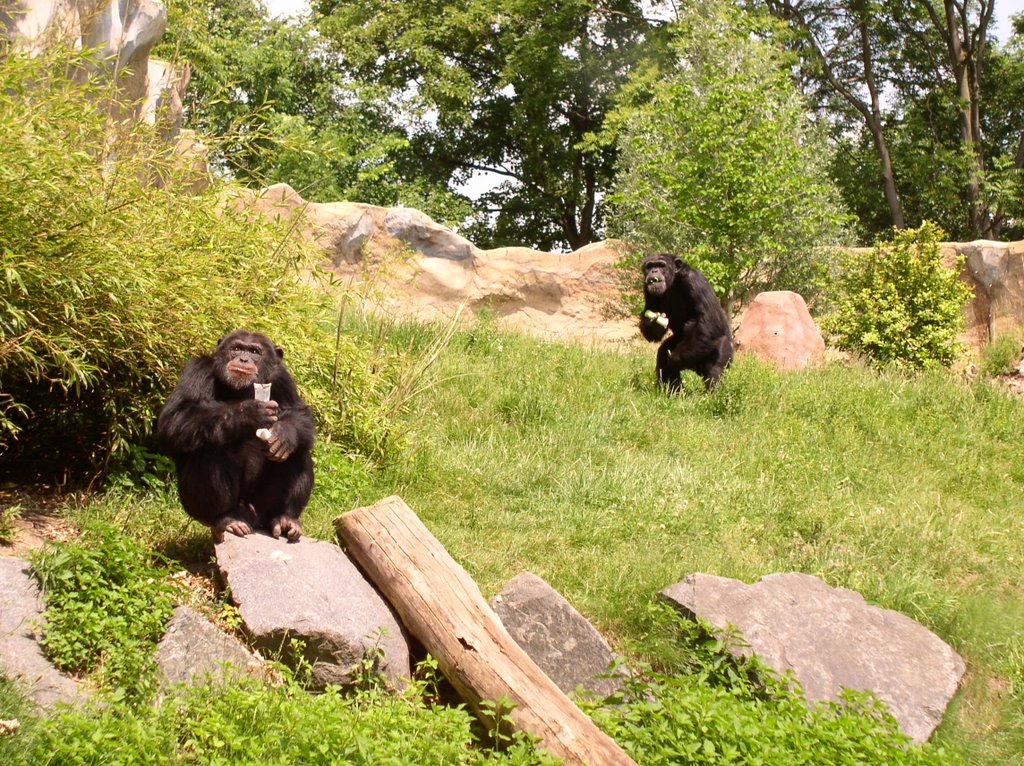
(831, 639)
(21, 612)
(311, 591)
(194, 648)
(555, 636)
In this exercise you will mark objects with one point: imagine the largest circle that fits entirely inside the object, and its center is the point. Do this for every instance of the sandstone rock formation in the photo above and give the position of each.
(124, 31)
(995, 270)
(831, 638)
(777, 327)
(405, 263)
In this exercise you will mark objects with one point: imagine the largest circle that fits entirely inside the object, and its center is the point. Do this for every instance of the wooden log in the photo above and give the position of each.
(441, 605)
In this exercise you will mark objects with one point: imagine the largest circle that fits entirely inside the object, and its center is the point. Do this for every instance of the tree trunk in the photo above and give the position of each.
(442, 607)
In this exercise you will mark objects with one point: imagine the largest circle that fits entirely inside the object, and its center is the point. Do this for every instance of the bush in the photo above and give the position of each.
(900, 305)
(114, 274)
(106, 608)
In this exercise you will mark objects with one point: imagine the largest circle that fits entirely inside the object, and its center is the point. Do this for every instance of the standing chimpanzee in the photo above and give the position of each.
(230, 478)
(679, 298)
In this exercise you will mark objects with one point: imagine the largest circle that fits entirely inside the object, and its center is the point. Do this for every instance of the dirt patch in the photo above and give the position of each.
(37, 517)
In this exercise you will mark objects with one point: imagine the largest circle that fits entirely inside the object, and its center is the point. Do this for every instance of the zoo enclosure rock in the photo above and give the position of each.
(831, 638)
(310, 590)
(559, 639)
(405, 263)
(777, 327)
(995, 270)
(21, 609)
(193, 647)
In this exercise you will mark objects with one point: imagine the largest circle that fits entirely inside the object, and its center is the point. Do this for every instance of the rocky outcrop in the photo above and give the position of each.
(831, 639)
(995, 271)
(402, 262)
(124, 32)
(553, 634)
(777, 327)
(21, 615)
(311, 591)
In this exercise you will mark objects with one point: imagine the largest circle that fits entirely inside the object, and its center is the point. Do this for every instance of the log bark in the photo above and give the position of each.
(442, 606)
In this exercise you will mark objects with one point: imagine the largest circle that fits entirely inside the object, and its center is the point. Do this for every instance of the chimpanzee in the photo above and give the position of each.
(679, 298)
(229, 477)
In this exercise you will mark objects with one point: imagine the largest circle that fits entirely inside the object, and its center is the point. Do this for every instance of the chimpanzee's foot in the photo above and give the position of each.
(287, 526)
(230, 524)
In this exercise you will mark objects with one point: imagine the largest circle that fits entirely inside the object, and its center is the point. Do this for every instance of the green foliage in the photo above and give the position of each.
(1002, 355)
(106, 607)
(900, 305)
(246, 722)
(720, 163)
(8, 515)
(510, 87)
(711, 708)
(110, 282)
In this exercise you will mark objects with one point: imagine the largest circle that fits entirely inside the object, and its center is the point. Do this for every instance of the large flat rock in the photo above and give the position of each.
(311, 591)
(831, 639)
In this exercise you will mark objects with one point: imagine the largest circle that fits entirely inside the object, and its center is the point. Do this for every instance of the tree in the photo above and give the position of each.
(720, 163)
(932, 60)
(268, 95)
(846, 45)
(506, 87)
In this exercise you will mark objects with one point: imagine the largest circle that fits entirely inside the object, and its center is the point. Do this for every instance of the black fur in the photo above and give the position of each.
(228, 478)
(701, 339)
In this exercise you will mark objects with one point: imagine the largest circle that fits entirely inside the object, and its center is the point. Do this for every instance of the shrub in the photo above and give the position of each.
(900, 305)
(110, 281)
(106, 607)
(709, 707)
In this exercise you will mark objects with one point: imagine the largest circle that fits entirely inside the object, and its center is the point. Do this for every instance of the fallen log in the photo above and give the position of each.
(441, 605)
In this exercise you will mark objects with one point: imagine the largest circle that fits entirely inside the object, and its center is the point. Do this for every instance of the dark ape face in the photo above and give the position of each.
(243, 358)
(659, 272)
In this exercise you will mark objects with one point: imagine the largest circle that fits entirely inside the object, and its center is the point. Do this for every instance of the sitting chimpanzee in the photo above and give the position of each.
(230, 478)
(679, 298)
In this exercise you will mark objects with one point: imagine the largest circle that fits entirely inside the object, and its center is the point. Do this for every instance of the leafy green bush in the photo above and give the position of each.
(106, 607)
(110, 281)
(900, 305)
(247, 722)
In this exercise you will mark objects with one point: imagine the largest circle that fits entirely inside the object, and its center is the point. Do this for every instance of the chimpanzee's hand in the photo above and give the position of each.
(279, 446)
(259, 414)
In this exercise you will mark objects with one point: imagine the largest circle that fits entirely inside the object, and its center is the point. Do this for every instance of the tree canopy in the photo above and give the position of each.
(719, 160)
(505, 87)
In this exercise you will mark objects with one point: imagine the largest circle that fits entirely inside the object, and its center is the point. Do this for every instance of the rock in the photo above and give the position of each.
(410, 266)
(555, 636)
(193, 648)
(778, 328)
(995, 271)
(21, 611)
(311, 591)
(832, 639)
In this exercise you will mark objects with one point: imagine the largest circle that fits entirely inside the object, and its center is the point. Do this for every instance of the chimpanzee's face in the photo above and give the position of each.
(244, 358)
(659, 271)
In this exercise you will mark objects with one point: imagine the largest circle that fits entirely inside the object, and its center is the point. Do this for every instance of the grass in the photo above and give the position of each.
(571, 463)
